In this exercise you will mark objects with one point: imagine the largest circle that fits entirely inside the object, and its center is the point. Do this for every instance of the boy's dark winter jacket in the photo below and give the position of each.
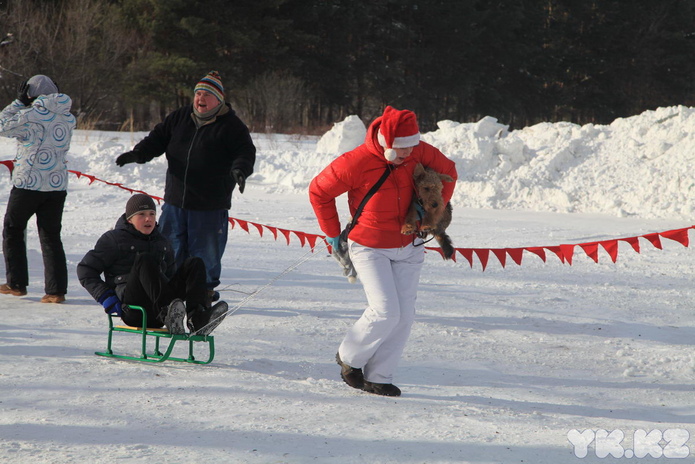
(200, 159)
(114, 255)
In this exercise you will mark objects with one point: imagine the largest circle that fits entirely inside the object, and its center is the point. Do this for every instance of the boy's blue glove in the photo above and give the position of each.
(333, 241)
(111, 303)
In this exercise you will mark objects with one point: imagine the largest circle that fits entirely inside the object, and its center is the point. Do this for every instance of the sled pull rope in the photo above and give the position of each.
(290, 268)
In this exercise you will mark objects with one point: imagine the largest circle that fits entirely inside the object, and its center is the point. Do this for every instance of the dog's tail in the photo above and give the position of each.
(445, 242)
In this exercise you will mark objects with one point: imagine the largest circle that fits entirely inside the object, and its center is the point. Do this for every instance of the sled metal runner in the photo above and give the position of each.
(156, 335)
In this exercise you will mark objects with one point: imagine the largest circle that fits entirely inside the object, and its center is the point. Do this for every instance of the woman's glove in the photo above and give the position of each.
(334, 242)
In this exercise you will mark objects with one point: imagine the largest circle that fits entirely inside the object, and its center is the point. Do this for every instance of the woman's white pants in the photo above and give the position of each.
(390, 278)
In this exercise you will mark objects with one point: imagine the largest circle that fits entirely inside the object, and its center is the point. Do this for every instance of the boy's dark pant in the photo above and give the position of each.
(149, 288)
(48, 207)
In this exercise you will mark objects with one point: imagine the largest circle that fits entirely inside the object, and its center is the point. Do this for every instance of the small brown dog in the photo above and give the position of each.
(437, 215)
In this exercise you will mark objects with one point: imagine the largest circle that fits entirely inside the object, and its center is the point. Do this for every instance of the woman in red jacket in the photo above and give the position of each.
(387, 262)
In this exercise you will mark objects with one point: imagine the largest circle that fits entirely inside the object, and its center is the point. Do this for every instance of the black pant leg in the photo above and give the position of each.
(20, 207)
(188, 283)
(146, 287)
(49, 216)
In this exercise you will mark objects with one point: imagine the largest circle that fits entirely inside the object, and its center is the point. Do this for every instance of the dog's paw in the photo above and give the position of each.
(408, 229)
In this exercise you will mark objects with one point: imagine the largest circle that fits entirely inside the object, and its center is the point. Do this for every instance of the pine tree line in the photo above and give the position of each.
(301, 65)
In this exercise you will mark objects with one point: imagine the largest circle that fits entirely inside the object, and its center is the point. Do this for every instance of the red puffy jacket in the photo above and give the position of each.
(355, 172)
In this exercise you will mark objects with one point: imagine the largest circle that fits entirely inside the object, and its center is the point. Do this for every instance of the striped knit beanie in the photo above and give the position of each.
(211, 83)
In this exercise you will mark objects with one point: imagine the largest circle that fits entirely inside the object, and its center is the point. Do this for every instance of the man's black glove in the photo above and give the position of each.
(127, 157)
(240, 179)
(23, 93)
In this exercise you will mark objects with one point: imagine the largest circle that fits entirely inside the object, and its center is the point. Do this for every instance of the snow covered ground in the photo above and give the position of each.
(539, 363)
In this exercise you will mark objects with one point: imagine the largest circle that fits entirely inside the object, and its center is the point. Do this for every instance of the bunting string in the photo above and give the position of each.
(564, 252)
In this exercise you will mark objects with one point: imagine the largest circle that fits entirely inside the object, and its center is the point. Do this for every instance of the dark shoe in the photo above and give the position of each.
(384, 389)
(6, 289)
(57, 298)
(350, 375)
(174, 317)
(217, 315)
(204, 320)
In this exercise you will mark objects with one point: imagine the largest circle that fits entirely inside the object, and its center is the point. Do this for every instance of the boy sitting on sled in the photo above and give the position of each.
(138, 267)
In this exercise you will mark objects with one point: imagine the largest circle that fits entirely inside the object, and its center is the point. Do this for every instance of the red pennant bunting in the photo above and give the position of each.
(558, 251)
(540, 251)
(611, 247)
(591, 250)
(564, 252)
(466, 253)
(312, 240)
(516, 254)
(273, 231)
(483, 255)
(9, 165)
(567, 253)
(632, 241)
(259, 228)
(679, 235)
(300, 236)
(243, 224)
(286, 233)
(501, 254)
(654, 238)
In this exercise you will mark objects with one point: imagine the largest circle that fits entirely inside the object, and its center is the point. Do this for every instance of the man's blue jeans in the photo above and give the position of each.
(197, 233)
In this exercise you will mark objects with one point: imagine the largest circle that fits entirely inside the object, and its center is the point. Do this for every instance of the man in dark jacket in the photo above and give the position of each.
(209, 150)
(138, 267)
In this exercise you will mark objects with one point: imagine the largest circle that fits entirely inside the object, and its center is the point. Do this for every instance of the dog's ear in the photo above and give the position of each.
(419, 170)
(446, 178)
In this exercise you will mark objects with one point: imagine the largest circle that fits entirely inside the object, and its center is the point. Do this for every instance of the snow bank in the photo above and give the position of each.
(639, 166)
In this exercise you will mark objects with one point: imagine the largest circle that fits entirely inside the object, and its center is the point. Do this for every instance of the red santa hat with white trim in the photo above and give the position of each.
(398, 129)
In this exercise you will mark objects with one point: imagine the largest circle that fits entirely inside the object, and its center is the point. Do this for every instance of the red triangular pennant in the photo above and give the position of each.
(537, 251)
(286, 233)
(591, 250)
(501, 254)
(273, 231)
(516, 254)
(567, 253)
(654, 238)
(312, 240)
(483, 254)
(466, 253)
(243, 224)
(679, 235)
(259, 228)
(632, 241)
(611, 247)
(301, 236)
(558, 251)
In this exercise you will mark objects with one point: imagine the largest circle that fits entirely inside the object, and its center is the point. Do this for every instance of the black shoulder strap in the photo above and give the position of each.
(369, 194)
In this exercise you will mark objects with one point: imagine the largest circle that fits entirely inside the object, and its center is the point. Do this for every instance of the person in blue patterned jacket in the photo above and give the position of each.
(41, 121)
